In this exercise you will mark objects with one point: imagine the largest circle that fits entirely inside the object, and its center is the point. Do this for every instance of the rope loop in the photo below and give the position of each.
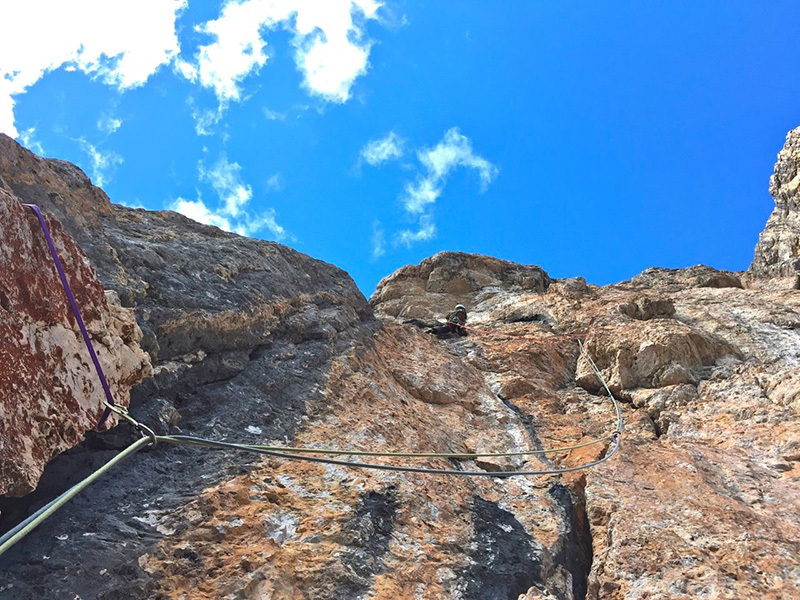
(147, 432)
(122, 411)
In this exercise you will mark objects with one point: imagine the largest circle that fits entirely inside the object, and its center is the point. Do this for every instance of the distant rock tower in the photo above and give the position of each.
(777, 253)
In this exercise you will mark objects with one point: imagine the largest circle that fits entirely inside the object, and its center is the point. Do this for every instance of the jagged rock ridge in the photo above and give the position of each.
(778, 249)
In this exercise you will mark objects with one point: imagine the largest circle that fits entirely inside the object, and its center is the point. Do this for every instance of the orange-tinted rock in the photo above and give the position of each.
(700, 500)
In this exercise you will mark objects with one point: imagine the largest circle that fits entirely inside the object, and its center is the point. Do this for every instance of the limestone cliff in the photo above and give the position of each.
(703, 500)
(778, 249)
(252, 341)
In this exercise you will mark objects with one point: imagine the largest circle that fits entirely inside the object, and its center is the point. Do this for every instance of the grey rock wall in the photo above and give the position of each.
(778, 251)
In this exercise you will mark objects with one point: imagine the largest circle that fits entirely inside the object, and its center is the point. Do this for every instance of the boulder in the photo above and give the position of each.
(650, 354)
(698, 276)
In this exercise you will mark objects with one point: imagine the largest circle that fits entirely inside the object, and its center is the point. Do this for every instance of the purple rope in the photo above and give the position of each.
(76, 312)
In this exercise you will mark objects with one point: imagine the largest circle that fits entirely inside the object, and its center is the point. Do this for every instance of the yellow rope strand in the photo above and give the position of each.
(20, 531)
(123, 413)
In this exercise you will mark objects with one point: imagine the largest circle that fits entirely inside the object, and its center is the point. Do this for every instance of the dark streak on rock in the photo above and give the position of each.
(527, 422)
(366, 535)
(504, 559)
(576, 552)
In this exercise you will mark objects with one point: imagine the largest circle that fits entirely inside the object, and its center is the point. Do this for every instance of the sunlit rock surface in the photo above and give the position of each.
(778, 249)
(254, 342)
(702, 500)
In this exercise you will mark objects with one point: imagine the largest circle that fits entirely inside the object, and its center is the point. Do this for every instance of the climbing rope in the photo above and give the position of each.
(456, 455)
(301, 454)
(25, 527)
(75, 311)
(298, 452)
(196, 441)
(286, 452)
(14, 535)
(122, 412)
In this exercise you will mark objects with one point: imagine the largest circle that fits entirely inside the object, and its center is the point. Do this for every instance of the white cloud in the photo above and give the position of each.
(274, 115)
(455, 150)
(274, 183)
(108, 124)
(103, 164)
(419, 196)
(205, 120)
(331, 50)
(135, 203)
(198, 211)
(378, 241)
(234, 195)
(226, 179)
(387, 148)
(329, 40)
(426, 231)
(265, 220)
(238, 49)
(119, 42)
(28, 139)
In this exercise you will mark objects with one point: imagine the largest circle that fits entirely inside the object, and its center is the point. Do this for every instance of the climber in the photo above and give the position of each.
(456, 319)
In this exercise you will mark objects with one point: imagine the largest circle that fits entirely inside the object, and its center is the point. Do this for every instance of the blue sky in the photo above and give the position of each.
(591, 138)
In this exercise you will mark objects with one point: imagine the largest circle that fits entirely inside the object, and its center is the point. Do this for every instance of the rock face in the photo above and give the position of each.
(778, 249)
(703, 500)
(254, 342)
(242, 335)
(210, 304)
(50, 394)
(439, 282)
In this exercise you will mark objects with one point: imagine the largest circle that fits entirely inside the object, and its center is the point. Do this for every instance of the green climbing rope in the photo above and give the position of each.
(301, 453)
(21, 530)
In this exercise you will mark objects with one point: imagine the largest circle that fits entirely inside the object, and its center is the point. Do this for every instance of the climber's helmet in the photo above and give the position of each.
(460, 307)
